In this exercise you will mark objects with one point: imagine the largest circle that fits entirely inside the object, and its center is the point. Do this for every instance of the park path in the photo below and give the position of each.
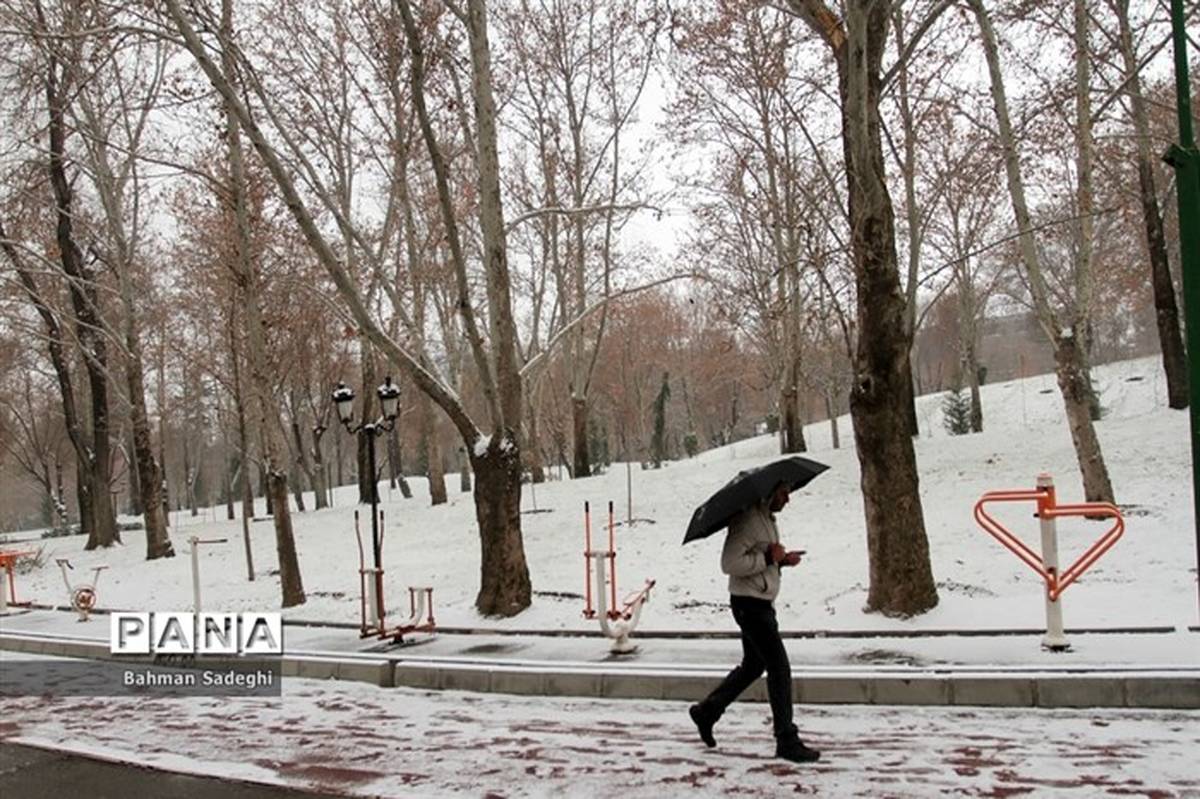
(359, 740)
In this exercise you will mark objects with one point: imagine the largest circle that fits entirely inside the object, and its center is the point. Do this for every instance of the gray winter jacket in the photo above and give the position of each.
(744, 557)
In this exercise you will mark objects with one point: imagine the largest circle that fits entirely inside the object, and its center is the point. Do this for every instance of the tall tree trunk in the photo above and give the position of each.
(901, 579)
(319, 472)
(396, 463)
(149, 476)
(971, 365)
(187, 469)
(85, 302)
(532, 450)
(969, 341)
(912, 217)
(135, 492)
(230, 483)
(1072, 381)
(83, 496)
(504, 575)
(1166, 311)
(791, 422)
(297, 491)
(1070, 364)
(831, 412)
(66, 388)
(291, 585)
(499, 372)
(464, 471)
(263, 489)
(432, 451)
(579, 419)
(306, 467)
(505, 587)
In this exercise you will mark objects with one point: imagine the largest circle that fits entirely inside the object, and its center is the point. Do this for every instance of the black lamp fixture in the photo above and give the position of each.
(389, 401)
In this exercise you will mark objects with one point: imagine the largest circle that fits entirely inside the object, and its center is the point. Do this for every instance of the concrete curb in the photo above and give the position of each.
(1078, 687)
(1091, 689)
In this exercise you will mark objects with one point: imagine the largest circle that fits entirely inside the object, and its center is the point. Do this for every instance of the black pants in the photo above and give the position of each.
(762, 649)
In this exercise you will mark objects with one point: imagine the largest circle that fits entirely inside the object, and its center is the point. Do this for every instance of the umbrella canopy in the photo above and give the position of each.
(749, 488)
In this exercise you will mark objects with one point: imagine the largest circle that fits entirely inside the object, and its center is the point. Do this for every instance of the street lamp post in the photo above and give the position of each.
(389, 400)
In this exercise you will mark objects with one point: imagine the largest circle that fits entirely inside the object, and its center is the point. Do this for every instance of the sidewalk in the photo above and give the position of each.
(1153, 670)
(351, 739)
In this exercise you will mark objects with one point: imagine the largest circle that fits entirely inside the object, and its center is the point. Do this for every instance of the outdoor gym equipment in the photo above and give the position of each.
(1048, 510)
(373, 613)
(82, 597)
(8, 583)
(195, 541)
(615, 624)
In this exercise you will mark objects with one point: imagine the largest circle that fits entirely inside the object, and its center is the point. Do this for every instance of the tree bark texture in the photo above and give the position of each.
(1166, 311)
(1073, 383)
(432, 452)
(901, 579)
(1070, 359)
(504, 575)
(260, 380)
(579, 418)
(84, 302)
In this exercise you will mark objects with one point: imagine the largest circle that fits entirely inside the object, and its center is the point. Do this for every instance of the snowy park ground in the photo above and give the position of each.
(360, 740)
(1147, 579)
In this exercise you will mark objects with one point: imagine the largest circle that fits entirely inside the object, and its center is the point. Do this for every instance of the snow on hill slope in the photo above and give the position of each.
(1147, 578)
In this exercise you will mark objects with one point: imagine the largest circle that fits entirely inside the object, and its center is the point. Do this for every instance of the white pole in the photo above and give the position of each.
(3, 590)
(601, 586)
(195, 542)
(372, 598)
(1055, 640)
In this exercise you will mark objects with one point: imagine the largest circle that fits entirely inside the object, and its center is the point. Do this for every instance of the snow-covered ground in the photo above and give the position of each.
(1148, 578)
(357, 740)
(354, 739)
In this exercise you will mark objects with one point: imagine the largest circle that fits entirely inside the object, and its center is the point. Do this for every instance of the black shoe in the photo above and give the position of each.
(796, 752)
(703, 726)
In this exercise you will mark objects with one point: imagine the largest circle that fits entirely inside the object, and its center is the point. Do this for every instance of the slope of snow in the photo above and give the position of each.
(1148, 578)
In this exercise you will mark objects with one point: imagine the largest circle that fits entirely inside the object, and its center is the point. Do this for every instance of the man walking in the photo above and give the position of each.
(752, 558)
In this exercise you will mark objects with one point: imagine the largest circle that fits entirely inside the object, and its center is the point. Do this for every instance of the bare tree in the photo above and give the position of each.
(1166, 310)
(291, 584)
(1067, 326)
(968, 171)
(582, 66)
(505, 588)
(736, 93)
(901, 579)
(112, 114)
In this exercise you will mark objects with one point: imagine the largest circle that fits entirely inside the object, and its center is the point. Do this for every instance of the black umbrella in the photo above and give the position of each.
(749, 488)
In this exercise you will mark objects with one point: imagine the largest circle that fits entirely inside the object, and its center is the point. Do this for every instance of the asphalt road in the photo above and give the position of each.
(28, 773)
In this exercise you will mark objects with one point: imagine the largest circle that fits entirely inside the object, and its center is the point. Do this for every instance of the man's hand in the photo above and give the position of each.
(776, 553)
(791, 558)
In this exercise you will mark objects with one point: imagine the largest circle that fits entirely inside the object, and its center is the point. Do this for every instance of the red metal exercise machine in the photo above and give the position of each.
(1046, 565)
(616, 624)
(373, 612)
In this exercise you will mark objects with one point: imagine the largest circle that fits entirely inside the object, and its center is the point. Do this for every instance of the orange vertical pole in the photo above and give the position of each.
(587, 548)
(612, 558)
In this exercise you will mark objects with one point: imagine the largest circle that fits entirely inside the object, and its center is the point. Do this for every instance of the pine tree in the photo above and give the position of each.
(956, 411)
